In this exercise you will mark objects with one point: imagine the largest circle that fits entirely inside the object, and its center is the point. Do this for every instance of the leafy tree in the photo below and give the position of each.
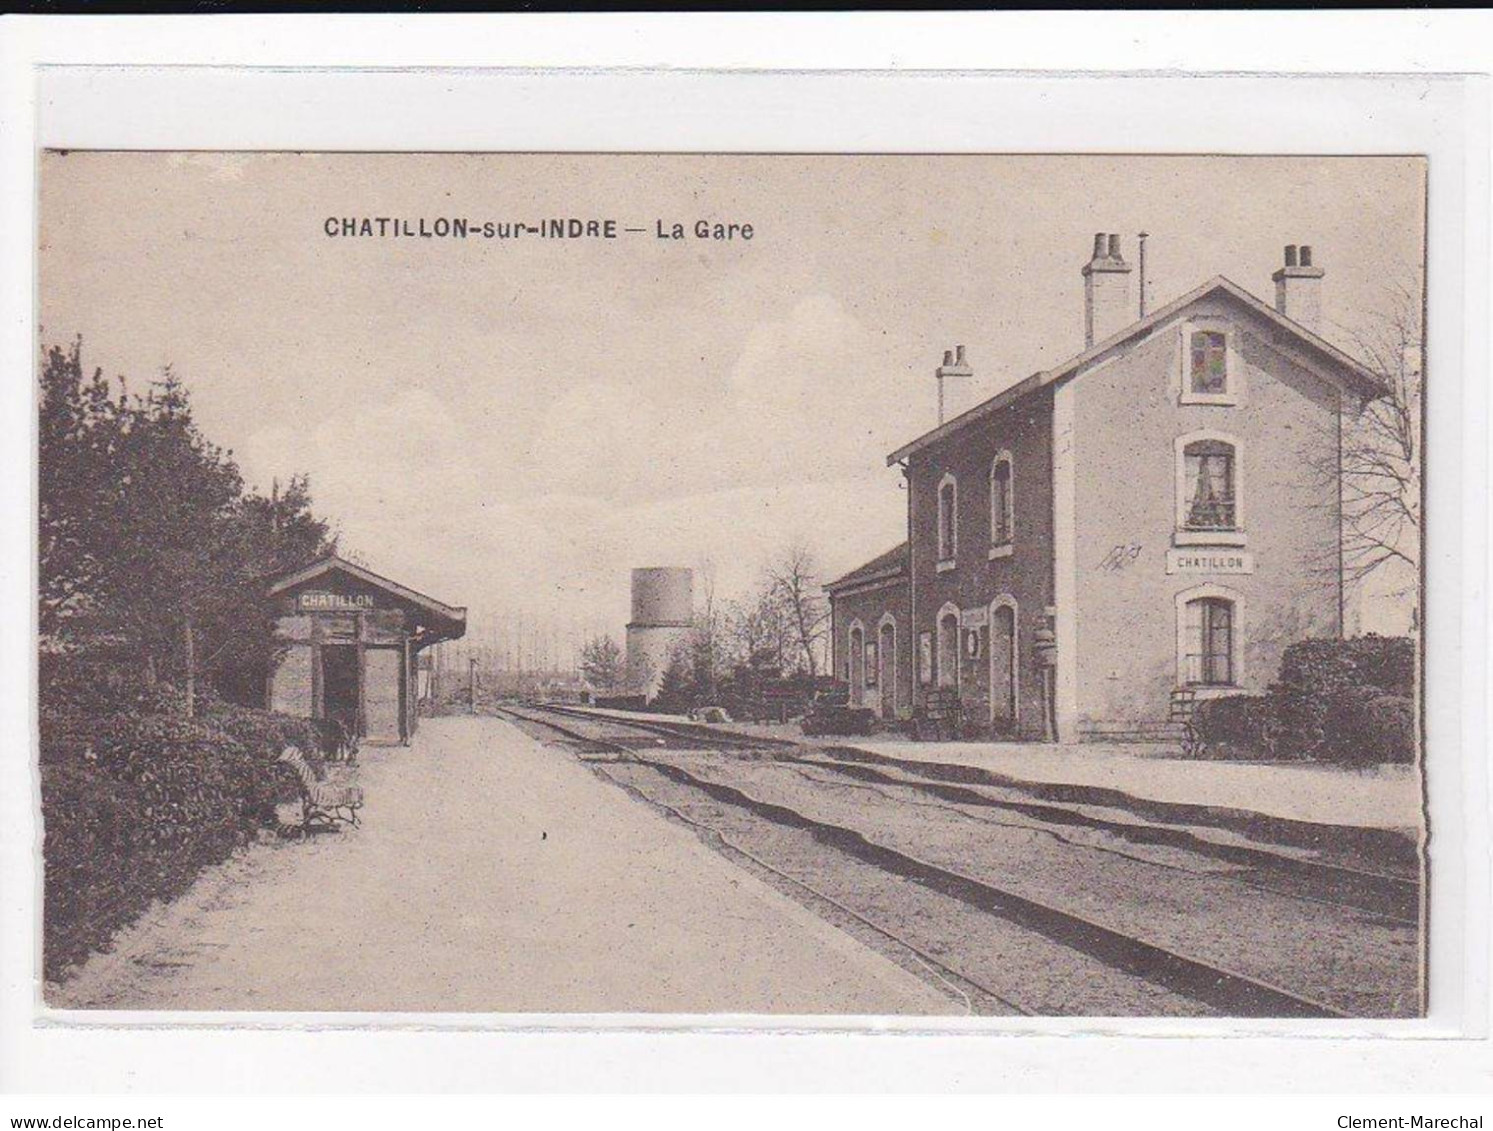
(79, 428)
(601, 662)
(677, 689)
(148, 537)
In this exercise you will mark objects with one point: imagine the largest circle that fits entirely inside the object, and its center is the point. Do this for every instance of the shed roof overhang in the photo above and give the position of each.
(436, 620)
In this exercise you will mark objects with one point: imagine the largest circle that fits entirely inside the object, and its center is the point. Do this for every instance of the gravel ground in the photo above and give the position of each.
(1019, 971)
(1359, 963)
(492, 874)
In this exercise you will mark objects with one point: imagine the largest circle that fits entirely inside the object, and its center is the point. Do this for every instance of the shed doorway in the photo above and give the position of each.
(339, 684)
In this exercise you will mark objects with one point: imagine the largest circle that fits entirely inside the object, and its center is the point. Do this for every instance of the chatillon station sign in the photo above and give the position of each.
(322, 602)
(1210, 561)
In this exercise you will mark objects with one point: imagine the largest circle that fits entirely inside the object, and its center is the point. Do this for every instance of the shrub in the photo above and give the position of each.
(1366, 727)
(134, 806)
(269, 732)
(1237, 726)
(1349, 702)
(1324, 700)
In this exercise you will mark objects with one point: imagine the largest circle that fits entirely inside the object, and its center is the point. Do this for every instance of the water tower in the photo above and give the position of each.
(663, 609)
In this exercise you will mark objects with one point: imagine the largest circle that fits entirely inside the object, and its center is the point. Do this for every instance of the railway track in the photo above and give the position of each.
(639, 764)
(1378, 891)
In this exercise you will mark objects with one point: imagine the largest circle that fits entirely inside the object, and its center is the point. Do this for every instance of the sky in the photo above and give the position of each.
(512, 425)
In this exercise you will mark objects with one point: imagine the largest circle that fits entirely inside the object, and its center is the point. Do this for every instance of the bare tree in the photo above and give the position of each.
(794, 578)
(709, 633)
(758, 631)
(1381, 448)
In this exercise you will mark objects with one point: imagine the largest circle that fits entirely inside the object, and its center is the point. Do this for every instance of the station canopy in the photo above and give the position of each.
(335, 585)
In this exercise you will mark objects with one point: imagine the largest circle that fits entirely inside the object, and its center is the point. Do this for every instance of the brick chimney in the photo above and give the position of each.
(1106, 291)
(955, 385)
(1298, 288)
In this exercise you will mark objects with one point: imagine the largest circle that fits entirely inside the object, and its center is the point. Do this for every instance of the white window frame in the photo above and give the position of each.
(1236, 638)
(1233, 394)
(1182, 535)
(948, 563)
(946, 610)
(1006, 548)
(1005, 601)
(889, 662)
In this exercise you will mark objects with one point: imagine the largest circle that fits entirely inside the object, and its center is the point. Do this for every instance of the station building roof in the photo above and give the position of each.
(883, 567)
(1326, 358)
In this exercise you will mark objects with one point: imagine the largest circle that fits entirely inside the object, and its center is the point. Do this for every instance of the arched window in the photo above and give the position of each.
(1002, 503)
(1209, 640)
(948, 519)
(1209, 486)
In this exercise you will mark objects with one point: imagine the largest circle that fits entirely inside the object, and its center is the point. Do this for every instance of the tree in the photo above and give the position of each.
(758, 631)
(794, 579)
(148, 538)
(677, 689)
(1381, 449)
(707, 641)
(278, 534)
(601, 662)
(1369, 466)
(78, 435)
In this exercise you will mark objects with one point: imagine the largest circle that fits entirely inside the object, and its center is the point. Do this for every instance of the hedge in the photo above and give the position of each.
(1349, 702)
(1236, 726)
(134, 806)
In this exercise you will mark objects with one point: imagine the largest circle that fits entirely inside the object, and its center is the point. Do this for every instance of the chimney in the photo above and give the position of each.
(1106, 291)
(1298, 288)
(955, 385)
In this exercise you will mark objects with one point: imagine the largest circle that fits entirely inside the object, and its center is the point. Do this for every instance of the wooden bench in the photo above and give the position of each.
(940, 718)
(323, 804)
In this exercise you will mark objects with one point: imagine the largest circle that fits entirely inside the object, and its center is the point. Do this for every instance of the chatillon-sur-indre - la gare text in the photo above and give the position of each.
(553, 228)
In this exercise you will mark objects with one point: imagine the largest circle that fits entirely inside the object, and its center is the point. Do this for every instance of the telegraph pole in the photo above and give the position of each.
(1142, 238)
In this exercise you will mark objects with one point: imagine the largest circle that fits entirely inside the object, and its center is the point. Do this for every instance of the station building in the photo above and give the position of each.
(350, 643)
(1152, 521)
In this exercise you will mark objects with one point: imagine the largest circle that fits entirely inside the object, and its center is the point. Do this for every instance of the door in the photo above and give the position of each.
(948, 650)
(886, 657)
(857, 667)
(383, 669)
(339, 684)
(1003, 669)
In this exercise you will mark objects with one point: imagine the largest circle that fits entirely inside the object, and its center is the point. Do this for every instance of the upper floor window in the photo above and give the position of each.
(948, 520)
(1209, 371)
(1002, 513)
(1208, 486)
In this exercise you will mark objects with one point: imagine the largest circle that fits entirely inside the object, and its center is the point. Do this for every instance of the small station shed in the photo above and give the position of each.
(351, 639)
